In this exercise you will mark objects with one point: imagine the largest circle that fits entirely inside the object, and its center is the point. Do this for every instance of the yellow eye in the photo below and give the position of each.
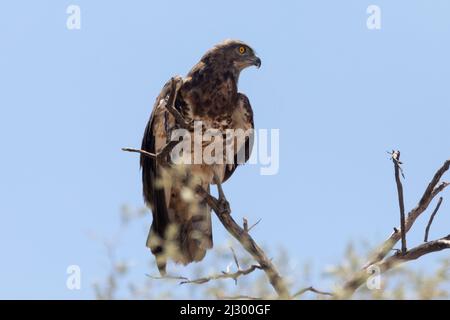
(242, 49)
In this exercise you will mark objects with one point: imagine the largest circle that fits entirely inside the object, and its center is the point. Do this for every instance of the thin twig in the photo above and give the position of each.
(223, 275)
(161, 157)
(167, 277)
(311, 289)
(427, 230)
(401, 201)
(236, 261)
(146, 153)
(255, 224)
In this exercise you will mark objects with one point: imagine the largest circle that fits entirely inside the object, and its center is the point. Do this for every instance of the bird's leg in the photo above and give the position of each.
(224, 205)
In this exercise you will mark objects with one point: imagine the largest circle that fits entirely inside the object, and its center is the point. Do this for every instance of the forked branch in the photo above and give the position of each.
(378, 258)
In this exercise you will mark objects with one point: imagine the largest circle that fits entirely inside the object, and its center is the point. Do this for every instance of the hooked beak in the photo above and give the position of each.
(257, 62)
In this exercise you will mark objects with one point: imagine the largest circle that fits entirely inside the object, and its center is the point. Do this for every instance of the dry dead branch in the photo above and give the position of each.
(379, 257)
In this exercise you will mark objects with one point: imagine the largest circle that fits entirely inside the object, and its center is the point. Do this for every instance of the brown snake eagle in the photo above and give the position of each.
(209, 93)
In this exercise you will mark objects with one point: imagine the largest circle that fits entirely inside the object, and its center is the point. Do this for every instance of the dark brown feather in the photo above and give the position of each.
(154, 195)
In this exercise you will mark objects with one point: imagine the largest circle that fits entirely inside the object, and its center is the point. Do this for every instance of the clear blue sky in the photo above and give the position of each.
(341, 95)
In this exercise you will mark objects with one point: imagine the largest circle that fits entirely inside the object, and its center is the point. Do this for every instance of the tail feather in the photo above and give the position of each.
(193, 238)
(155, 243)
(196, 237)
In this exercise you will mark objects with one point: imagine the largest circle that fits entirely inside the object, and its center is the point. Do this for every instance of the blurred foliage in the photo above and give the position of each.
(121, 282)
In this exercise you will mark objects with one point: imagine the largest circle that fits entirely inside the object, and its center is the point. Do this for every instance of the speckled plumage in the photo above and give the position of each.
(209, 93)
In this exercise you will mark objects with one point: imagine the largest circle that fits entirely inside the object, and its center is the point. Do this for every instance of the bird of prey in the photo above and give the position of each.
(209, 93)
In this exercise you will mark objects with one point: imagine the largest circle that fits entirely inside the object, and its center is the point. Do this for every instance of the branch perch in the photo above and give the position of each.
(248, 243)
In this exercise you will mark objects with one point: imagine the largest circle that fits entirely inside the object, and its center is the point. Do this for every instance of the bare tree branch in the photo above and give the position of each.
(432, 190)
(248, 243)
(427, 230)
(254, 225)
(167, 277)
(311, 289)
(236, 261)
(401, 202)
(430, 193)
(223, 275)
(426, 248)
(146, 153)
(161, 157)
(415, 253)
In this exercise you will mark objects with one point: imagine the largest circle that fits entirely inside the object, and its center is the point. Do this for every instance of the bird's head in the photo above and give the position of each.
(232, 54)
